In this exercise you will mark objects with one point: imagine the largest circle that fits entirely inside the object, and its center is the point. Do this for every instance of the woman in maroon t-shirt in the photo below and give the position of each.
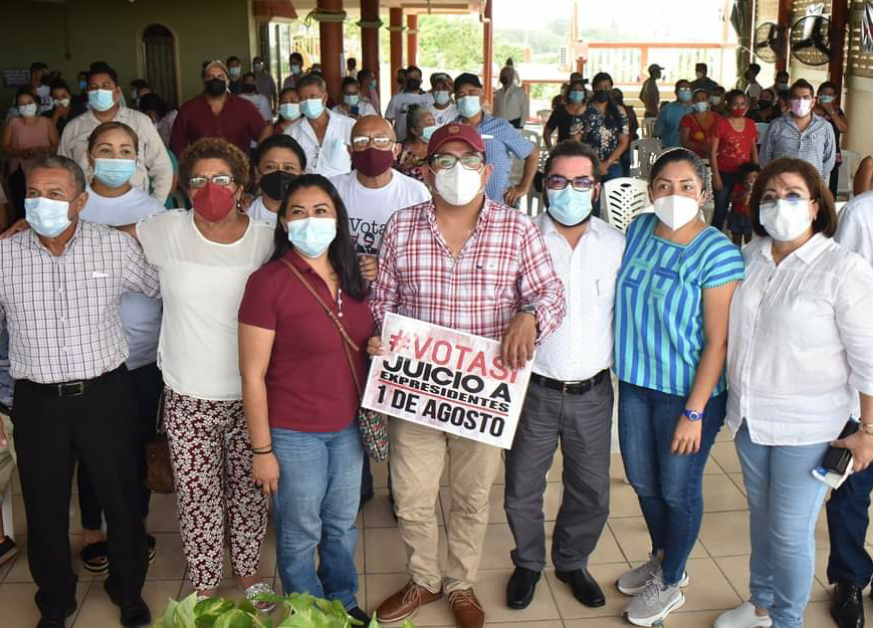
(299, 392)
(734, 143)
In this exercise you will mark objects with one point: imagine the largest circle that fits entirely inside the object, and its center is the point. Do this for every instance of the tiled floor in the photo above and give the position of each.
(718, 567)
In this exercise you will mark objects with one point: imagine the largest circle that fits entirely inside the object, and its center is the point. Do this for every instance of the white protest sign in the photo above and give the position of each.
(447, 380)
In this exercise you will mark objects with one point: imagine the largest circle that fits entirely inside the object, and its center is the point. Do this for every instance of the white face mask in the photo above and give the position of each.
(27, 111)
(457, 185)
(786, 220)
(801, 107)
(676, 210)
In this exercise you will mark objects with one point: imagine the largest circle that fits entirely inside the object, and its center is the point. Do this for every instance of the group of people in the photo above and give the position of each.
(248, 322)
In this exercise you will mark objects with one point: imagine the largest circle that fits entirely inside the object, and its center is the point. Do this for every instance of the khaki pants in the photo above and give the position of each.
(7, 458)
(418, 455)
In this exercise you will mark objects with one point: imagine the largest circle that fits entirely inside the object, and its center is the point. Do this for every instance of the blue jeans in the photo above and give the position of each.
(669, 486)
(316, 507)
(848, 519)
(723, 197)
(784, 502)
(6, 383)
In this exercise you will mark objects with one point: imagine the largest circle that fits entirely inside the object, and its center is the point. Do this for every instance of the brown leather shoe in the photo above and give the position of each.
(468, 612)
(405, 603)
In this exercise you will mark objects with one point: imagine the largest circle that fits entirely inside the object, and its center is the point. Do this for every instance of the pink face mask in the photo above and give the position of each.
(801, 107)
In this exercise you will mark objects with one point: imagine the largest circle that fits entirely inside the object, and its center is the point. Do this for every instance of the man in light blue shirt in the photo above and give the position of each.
(667, 124)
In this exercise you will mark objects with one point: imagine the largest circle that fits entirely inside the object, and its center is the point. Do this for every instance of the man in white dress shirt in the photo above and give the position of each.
(324, 136)
(570, 397)
(510, 101)
(850, 567)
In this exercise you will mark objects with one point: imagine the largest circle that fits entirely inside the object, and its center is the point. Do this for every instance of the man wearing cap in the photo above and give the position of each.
(216, 113)
(650, 94)
(472, 264)
(502, 142)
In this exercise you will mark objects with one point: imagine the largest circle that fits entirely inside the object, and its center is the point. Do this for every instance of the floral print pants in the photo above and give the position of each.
(211, 457)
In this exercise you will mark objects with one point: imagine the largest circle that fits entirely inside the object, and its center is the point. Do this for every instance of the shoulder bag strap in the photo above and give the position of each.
(347, 340)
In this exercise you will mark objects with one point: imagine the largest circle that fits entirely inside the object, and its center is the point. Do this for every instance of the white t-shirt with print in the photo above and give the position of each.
(370, 208)
(398, 106)
(444, 116)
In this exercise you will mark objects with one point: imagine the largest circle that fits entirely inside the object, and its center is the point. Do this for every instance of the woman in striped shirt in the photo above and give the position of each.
(671, 320)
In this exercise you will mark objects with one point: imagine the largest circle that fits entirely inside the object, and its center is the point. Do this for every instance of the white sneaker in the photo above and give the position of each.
(634, 581)
(651, 606)
(743, 616)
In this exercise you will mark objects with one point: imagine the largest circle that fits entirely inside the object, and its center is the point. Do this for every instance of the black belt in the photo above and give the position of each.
(71, 389)
(570, 388)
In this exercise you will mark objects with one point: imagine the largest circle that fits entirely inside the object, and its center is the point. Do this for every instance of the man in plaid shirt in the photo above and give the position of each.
(471, 264)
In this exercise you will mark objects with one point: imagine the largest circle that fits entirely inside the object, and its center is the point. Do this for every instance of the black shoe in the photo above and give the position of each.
(360, 615)
(7, 550)
(134, 613)
(585, 588)
(56, 620)
(847, 606)
(521, 588)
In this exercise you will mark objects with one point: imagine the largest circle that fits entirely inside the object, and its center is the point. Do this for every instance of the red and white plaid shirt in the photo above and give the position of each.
(503, 265)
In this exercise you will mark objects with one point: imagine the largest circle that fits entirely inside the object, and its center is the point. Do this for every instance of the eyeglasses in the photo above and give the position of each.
(580, 184)
(447, 161)
(380, 142)
(220, 179)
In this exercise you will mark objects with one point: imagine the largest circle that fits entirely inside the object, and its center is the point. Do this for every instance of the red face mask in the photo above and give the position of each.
(738, 113)
(372, 162)
(214, 202)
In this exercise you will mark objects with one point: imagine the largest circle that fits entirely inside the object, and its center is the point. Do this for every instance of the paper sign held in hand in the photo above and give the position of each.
(448, 380)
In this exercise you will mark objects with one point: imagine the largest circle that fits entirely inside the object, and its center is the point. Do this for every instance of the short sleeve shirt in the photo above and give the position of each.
(659, 325)
(601, 132)
(565, 122)
(735, 147)
(502, 142)
(310, 387)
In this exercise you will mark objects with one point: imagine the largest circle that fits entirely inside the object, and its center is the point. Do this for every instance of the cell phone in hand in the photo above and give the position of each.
(836, 465)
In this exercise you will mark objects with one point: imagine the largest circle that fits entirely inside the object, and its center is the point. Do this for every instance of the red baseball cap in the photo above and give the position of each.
(455, 132)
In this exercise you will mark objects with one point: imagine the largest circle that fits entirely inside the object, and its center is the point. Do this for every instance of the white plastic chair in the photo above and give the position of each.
(643, 154)
(647, 128)
(532, 136)
(846, 171)
(8, 520)
(626, 198)
(543, 116)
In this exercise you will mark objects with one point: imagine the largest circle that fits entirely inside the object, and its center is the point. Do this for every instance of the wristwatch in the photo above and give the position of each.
(693, 415)
(529, 309)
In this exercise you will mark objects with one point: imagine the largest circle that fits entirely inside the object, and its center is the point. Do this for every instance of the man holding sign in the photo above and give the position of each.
(476, 266)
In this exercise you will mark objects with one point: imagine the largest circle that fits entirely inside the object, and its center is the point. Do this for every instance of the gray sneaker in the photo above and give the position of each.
(651, 606)
(635, 580)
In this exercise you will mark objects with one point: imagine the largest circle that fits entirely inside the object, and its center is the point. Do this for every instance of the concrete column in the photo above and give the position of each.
(412, 39)
(331, 34)
(488, 53)
(396, 28)
(370, 36)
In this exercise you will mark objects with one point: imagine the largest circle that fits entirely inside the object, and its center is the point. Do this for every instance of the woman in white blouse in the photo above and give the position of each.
(800, 348)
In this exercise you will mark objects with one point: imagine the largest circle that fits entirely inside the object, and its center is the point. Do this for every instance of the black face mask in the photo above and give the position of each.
(215, 87)
(601, 96)
(412, 85)
(249, 89)
(275, 184)
(764, 104)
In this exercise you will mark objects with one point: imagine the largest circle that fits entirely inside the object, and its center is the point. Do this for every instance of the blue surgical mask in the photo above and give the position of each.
(289, 110)
(569, 206)
(684, 95)
(83, 85)
(427, 131)
(312, 108)
(312, 236)
(374, 84)
(48, 217)
(101, 99)
(469, 106)
(826, 99)
(351, 99)
(114, 172)
(234, 71)
(441, 97)
(576, 96)
(295, 69)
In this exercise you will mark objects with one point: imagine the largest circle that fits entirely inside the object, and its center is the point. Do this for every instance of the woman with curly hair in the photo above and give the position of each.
(205, 257)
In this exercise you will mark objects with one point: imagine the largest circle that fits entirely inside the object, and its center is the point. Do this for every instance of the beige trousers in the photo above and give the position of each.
(418, 455)
(7, 458)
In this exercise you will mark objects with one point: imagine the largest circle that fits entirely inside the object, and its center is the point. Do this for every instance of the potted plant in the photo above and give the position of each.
(301, 610)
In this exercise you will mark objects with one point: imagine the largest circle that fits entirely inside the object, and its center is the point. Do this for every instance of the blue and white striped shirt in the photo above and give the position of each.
(501, 139)
(815, 144)
(659, 325)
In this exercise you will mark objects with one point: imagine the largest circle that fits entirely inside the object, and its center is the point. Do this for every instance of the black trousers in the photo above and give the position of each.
(101, 429)
(148, 385)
